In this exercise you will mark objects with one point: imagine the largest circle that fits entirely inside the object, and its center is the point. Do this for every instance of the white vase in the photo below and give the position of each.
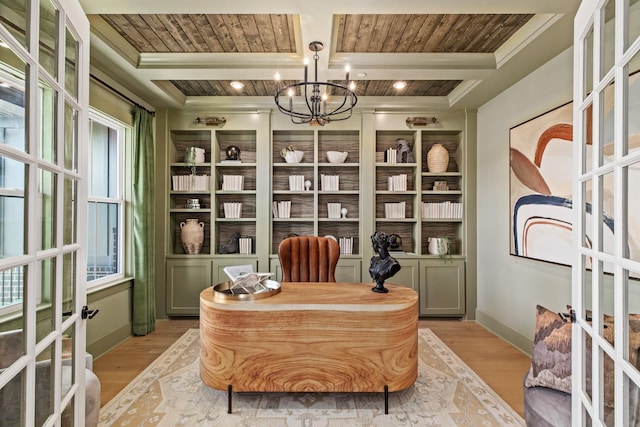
(192, 235)
(438, 245)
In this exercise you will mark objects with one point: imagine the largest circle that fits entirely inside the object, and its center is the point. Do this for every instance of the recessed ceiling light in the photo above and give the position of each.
(400, 85)
(362, 74)
(237, 85)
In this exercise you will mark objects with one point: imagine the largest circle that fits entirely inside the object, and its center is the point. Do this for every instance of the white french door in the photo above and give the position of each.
(44, 83)
(606, 271)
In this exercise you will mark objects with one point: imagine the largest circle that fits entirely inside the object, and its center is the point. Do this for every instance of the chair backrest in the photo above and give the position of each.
(308, 259)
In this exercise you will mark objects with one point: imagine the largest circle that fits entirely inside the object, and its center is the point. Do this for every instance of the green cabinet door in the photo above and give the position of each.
(185, 279)
(442, 288)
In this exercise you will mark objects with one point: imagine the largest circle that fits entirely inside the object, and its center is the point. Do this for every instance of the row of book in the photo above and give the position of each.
(232, 210)
(391, 155)
(232, 182)
(281, 209)
(346, 245)
(296, 182)
(394, 210)
(333, 210)
(191, 182)
(330, 182)
(246, 244)
(397, 182)
(447, 210)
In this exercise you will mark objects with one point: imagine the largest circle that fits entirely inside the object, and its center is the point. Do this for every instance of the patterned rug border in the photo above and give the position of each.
(119, 404)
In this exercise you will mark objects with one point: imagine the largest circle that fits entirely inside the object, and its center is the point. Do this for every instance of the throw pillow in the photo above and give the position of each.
(551, 356)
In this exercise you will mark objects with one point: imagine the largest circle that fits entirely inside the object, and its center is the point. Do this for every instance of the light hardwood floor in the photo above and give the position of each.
(499, 364)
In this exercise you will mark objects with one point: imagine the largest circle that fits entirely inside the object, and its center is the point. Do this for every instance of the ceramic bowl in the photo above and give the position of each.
(337, 156)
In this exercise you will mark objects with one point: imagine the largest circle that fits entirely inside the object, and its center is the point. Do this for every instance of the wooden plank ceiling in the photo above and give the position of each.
(368, 33)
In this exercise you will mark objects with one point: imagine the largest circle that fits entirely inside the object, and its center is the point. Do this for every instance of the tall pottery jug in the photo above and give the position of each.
(192, 235)
(437, 159)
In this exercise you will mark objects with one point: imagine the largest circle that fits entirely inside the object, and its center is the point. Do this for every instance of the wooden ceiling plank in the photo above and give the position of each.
(157, 24)
(424, 33)
(410, 32)
(190, 29)
(251, 32)
(207, 32)
(282, 33)
(237, 34)
(503, 28)
(351, 32)
(174, 27)
(222, 33)
(365, 31)
(266, 33)
(153, 41)
(380, 31)
(440, 34)
(340, 21)
(477, 30)
(219, 87)
(129, 32)
(398, 25)
(463, 24)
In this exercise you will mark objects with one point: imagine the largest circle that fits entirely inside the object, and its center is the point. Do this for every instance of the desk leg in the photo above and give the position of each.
(229, 390)
(386, 399)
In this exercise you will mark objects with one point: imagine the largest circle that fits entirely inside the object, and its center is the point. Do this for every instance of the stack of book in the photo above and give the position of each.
(346, 245)
(296, 182)
(333, 210)
(394, 210)
(440, 186)
(245, 245)
(442, 210)
(191, 182)
(281, 209)
(397, 182)
(390, 155)
(233, 210)
(232, 182)
(330, 182)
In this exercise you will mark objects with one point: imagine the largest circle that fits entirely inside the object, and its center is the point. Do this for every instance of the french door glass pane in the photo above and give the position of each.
(68, 358)
(47, 42)
(608, 214)
(632, 173)
(68, 282)
(45, 379)
(13, 16)
(609, 36)
(12, 207)
(12, 287)
(70, 210)
(608, 112)
(48, 122)
(587, 120)
(48, 209)
(71, 65)
(634, 20)
(588, 68)
(12, 100)
(102, 248)
(70, 138)
(44, 314)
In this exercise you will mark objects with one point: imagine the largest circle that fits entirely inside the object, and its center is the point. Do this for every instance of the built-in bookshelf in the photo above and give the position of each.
(189, 182)
(328, 203)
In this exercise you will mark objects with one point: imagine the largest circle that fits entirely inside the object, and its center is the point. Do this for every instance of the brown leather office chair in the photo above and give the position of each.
(308, 259)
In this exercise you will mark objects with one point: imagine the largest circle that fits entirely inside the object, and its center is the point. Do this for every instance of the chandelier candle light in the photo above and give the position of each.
(315, 108)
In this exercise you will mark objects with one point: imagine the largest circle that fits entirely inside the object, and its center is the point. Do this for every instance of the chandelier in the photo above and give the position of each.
(323, 102)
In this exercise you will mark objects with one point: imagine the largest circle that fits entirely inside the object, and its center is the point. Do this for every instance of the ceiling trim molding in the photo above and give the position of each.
(234, 60)
(537, 25)
(413, 61)
(109, 36)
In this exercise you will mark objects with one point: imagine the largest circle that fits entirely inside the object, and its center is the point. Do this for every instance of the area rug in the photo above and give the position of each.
(170, 393)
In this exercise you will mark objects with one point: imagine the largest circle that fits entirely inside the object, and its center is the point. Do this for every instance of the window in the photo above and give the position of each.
(105, 219)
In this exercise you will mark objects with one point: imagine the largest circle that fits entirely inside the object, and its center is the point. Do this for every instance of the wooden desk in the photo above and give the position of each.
(324, 337)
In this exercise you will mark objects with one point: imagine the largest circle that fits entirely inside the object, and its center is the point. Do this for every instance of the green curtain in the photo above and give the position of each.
(144, 306)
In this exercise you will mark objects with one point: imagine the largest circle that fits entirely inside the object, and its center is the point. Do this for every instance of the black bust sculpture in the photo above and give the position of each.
(232, 246)
(382, 265)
